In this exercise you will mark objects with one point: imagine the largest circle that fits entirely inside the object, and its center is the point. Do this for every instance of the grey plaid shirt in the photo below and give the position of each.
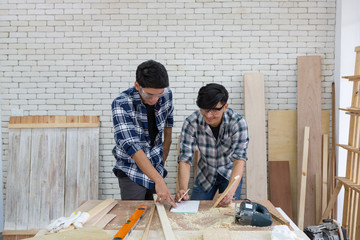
(216, 156)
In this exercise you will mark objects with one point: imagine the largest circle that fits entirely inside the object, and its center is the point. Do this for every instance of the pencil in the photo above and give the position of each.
(184, 195)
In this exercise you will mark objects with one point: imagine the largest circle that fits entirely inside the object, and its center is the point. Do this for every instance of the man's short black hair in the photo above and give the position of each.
(152, 74)
(210, 95)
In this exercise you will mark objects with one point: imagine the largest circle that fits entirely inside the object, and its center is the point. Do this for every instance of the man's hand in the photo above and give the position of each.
(226, 200)
(163, 193)
(181, 193)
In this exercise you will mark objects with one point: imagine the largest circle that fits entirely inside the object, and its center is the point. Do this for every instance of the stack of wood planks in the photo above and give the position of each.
(286, 138)
(53, 165)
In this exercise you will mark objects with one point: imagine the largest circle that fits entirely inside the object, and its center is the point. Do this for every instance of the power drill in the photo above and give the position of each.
(254, 214)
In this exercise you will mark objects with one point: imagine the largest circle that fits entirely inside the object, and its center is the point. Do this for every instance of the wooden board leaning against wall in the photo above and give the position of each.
(282, 130)
(53, 165)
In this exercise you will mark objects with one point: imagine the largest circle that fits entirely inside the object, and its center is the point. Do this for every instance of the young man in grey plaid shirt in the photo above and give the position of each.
(221, 135)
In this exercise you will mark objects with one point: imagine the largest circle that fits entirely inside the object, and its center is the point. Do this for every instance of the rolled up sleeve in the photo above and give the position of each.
(125, 134)
(240, 140)
(187, 143)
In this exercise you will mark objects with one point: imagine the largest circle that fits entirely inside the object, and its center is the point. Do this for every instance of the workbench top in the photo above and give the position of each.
(185, 223)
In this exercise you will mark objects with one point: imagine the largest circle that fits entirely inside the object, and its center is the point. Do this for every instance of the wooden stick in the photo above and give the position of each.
(303, 178)
(318, 197)
(324, 172)
(147, 228)
(165, 224)
(226, 190)
(332, 201)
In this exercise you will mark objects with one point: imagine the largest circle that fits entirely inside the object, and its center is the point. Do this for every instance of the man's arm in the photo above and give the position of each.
(238, 169)
(147, 168)
(167, 142)
(183, 178)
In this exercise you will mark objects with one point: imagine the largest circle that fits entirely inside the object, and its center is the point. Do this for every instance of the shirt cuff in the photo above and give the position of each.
(132, 149)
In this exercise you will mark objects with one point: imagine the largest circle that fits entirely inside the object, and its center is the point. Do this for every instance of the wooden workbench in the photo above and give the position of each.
(188, 226)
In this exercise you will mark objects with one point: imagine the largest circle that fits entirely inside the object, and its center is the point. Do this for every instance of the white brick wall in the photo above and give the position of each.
(72, 57)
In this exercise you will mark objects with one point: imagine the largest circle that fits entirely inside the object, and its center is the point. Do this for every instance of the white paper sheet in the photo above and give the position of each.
(186, 207)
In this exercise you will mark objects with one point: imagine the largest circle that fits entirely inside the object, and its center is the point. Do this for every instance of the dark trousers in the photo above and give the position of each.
(130, 190)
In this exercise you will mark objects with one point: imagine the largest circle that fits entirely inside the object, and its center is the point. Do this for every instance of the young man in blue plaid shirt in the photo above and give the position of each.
(141, 116)
(221, 134)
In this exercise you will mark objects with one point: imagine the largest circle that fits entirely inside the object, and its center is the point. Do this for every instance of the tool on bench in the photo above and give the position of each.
(329, 229)
(254, 214)
(130, 223)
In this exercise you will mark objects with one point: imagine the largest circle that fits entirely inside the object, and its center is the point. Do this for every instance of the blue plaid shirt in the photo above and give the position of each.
(216, 155)
(131, 133)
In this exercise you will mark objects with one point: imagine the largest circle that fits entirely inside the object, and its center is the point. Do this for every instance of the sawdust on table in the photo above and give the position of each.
(213, 218)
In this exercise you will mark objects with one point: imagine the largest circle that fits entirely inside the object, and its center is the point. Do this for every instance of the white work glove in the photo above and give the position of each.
(76, 218)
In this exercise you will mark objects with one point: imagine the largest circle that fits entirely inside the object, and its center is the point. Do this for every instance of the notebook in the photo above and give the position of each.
(186, 207)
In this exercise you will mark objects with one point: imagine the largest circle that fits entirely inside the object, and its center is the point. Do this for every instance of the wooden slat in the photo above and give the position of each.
(309, 114)
(256, 167)
(148, 224)
(279, 186)
(352, 78)
(54, 122)
(99, 216)
(82, 169)
(304, 177)
(52, 179)
(349, 184)
(325, 172)
(228, 188)
(165, 223)
(16, 210)
(105, 220)
(349, 148)
(355, 111)
(331, 201)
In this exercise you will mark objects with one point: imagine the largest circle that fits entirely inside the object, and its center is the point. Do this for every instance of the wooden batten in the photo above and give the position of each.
(352, 78)
(54, 122)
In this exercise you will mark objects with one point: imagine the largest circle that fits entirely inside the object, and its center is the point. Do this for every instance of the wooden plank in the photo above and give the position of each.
(148, 224)
(304, 176)
(98, 217)
(11, 183)
(82, 166)
(325, 172)
(165, 224)
(71, 171)
(54, 121)
(332, 169)
(105, 220)
(36, 171)
(309, 114)
(282, 146)
(318, 211)
(53, 166)
(279, 186)
(17, 188)
(331, 201)
(256, 167)
(228, 188)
